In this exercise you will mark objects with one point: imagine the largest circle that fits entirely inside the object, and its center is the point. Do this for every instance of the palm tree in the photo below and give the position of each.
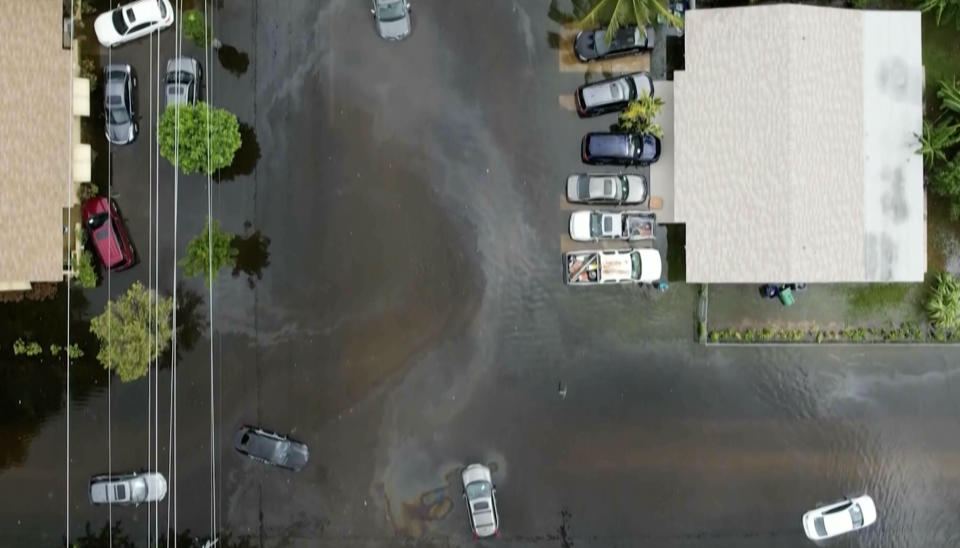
(638, 116)
(943, 305)
(936, 139)
(950, 8)
(615, 13)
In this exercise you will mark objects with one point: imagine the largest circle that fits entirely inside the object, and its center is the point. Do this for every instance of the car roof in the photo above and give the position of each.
(608, 144)
(144, 10)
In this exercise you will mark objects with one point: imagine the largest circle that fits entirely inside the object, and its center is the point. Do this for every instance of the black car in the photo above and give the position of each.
(620, 149)
(119, 87)
(271, 448)
(591, 45)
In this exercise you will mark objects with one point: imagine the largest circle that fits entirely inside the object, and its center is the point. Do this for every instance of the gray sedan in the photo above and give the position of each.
(393, 18)
(271, 448)
(183, 81)
(118, 93)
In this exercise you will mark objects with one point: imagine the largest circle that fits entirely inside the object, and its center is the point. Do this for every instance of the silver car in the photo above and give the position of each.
(182, 83)
(128, 489)
(481, 497)
(393, 18)
(606, 188)
(118, 92)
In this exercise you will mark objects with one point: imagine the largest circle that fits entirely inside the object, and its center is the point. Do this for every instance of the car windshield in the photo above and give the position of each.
(818, 525)
(478, 489)
(118, 116)
(595, 228)
(179, 76)
(97, 220)
(624, 186)
(635, 263)
(856, 515)
(163, 8)
(600, 42)
(119, 23)
(391, 11)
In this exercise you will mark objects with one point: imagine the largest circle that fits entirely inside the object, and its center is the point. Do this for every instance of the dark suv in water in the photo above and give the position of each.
(623, 149)
(271, 448)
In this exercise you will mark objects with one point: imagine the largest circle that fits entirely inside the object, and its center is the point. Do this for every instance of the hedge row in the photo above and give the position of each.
(905, 332)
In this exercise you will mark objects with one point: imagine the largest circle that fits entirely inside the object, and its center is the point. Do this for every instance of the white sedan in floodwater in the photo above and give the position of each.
(481, 497)
(840, 517)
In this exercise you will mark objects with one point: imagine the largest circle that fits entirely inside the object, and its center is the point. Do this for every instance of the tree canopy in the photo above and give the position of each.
(126, 331)
(187, 126)
(198, 260)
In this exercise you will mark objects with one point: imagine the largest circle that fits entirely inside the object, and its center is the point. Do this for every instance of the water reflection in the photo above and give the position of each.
(253, 254)
(191, 319)
(32, 387)
(245, 160)
(234, 60)
(117, 537)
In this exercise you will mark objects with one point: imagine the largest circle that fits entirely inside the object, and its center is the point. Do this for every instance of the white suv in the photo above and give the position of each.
(132, 21)
(128, 489)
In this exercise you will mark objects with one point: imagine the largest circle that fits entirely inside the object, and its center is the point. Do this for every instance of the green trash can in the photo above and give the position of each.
(786, 296)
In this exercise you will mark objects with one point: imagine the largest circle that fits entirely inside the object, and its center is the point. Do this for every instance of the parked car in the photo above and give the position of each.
(183, 81)
(481, 497)
(108, 233)
(607, 188)
(840, 517)
(128, 489)
(619, 266)
(131, 21)
(119, 86)
(612, 95)
(620, 148)
(592, 45)
(392, 18)
(271, 448)
(590, 226)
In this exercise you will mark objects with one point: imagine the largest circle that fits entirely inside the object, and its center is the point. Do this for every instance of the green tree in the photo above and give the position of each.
(187, 125)
(943, 303)
(198, 259)
(195, 28)
(945, 9)
(83, 270)
(936, 139)
(638, 116)
(945, 182)
(949, 94)
(615, 13)
(126, 329)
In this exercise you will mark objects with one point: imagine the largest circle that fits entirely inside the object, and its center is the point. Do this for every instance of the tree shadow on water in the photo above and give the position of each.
(116, 537)
(253, 255)
(234, 60)
(246, 158)
(191, 319)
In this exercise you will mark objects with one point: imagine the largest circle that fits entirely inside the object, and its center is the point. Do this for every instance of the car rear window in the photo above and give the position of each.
(121, 492)
(119, 23)
(482, 505)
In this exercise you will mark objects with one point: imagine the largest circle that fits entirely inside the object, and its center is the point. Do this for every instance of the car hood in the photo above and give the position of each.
(638, 189)
(106, 33)
(177, 94)
(651, 266)
(580, 226)
(120, 134)
(573, 187)
(297, 456)
(394, 30)
(869, 510)
(156, 487)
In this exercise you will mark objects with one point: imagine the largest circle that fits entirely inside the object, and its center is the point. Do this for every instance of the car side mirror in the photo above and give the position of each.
(373, 11)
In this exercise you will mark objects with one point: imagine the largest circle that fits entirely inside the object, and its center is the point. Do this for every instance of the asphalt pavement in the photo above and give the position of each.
(401, 310)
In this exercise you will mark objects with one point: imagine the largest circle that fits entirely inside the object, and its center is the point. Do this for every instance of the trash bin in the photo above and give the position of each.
(786, 296)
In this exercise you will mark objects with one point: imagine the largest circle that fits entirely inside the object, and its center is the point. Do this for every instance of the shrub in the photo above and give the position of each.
(55, 349)
(126, 328)
(85, 191)
(943, 303)
(31, 348)
(638, 116)
(714, 336)
(86, 276)
(191, 142)
(198, 260)
(195, 28)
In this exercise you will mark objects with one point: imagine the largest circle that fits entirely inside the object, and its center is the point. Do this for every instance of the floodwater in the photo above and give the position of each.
(400, 308)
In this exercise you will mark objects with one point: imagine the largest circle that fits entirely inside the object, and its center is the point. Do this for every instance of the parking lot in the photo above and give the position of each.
(410, 317)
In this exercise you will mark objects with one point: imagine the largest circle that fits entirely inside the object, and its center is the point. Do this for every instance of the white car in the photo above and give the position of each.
(606, 188)
(590, 226)
(132, 21)
(480, 494)
(613, 94)
(128, 489)
(839, 518)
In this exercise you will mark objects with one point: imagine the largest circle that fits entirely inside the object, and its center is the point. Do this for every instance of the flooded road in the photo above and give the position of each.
(404, 314)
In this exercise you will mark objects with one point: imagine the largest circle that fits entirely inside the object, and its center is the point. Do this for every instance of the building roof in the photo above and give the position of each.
(795, 134)
(35, 126)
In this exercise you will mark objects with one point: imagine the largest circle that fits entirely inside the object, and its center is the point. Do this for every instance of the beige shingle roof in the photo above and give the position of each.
(35, 122)
(770, 145)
